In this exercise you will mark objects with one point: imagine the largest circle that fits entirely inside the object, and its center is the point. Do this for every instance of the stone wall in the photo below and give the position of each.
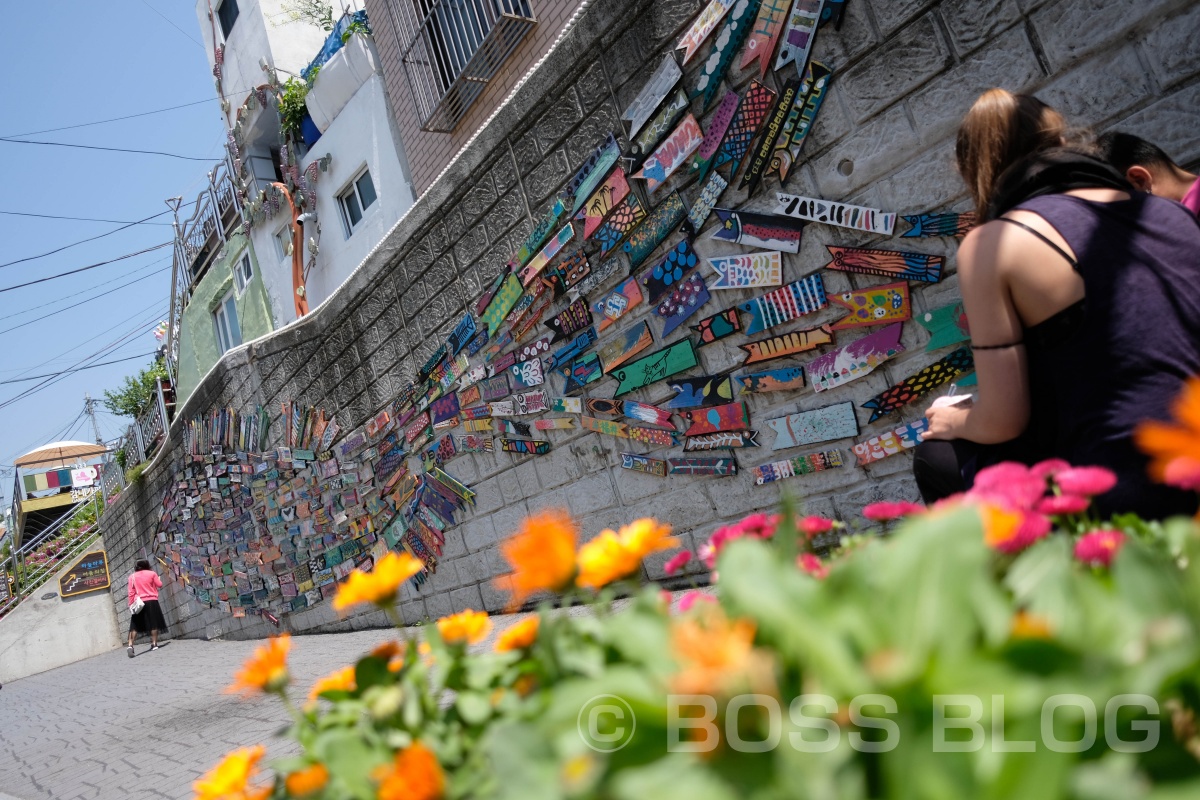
(905, 72)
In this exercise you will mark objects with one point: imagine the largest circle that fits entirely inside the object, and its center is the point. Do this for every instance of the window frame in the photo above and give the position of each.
(279, 236)
(225, 335)
(221, 20)
(240, 279)
(352, 189)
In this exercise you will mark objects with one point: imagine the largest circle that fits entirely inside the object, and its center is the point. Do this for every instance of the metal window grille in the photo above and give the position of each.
(452, 48)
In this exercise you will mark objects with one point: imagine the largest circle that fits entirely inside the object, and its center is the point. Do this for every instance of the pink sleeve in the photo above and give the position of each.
(131, 592)
(1192, 199)
(157, 581)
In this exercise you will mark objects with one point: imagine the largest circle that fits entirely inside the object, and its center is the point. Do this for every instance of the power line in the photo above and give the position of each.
(82, 241)
(80, 369)
(82, 269)
(89, 288)
(109, 149)
(80, 219)
(173, 25)
(82, 302)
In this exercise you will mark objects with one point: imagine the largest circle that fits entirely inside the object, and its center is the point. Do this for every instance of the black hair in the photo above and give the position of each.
(141, 565)
(1124, 150)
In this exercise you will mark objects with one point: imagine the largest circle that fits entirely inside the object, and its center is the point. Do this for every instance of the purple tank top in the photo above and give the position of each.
(1122, 355)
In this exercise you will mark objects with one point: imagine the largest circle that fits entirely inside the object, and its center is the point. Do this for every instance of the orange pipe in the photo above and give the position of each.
(299, 291)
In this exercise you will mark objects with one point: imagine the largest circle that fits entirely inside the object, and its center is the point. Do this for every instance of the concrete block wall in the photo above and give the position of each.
(905, 72)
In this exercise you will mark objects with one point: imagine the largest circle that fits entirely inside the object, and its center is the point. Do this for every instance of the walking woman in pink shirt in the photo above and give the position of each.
(144, 584)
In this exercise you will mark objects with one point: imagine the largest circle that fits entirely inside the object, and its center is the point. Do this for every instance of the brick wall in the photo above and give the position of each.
(906, 70)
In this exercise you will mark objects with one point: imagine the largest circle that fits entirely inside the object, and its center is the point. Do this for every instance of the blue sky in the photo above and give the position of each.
(78, 62)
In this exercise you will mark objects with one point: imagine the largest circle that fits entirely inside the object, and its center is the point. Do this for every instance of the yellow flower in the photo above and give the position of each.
(414, 774)
(542, 554)
(380, 585)
(714, 653)
(467, 626)
(519, 636)
(1030, 626)
(227, 780)
(308, 780)
(339, 680)
(615, 555)
(266, 670)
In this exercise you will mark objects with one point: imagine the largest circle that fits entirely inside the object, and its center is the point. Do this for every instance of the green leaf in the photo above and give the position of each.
(473, 707)
(350, 760)
(372, 671)
(676, 777)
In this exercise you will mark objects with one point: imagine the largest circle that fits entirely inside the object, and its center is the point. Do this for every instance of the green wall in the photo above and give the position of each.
(198, 349)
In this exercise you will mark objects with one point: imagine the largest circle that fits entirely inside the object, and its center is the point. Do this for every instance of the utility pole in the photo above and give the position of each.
(89, 408)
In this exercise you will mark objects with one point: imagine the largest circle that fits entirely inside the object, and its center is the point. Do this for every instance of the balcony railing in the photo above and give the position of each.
(453, 48)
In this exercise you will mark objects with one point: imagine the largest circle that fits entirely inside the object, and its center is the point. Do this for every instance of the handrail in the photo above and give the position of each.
(30, 578)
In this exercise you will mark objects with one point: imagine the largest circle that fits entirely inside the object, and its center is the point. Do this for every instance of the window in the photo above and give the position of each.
(225, 322)
(283, 238)
(227, 12)
(243, 272)
(356, 199)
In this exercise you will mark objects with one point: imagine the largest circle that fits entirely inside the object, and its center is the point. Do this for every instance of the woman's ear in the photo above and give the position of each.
(1141, 178)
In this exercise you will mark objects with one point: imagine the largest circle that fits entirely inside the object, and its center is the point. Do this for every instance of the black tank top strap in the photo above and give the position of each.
(1074, 264)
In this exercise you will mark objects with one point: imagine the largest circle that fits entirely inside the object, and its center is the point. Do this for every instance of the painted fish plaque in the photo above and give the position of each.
(606, 197)
(729, 417)
(527, 447)
(476, 413)
(747, 271)
(947, 325)
(709, 195)
(657, 225)
(568, 405)
(664, 121)
(652, 93)
(725, 45)
(624, 218)
(654, 437)
(877, 448)
(767, 231)
(554, 424)
(597, 277)
(722, 467)
(582, 371)
(534, 349)
(502, 363)
(889, 263)
(444, 408)
(537, 237)
(573, 319)
(773, 380)
(614, 305)
(566, 274)
(878, 305)
(761, 157)
(787, 303)
(798, 34)
(646, 413)
(718, 326)
(531, 403)
(787, 344)
(800, 119)
(669, 271)
(502, 302)
(798, 465)
(640, 463)
(655, 367)
(858, 218)
(577, 347)
(625, 346)
(487, 296)
(494, 388)
(718, 127)
(528, 373)
(594, 168)
(720, 441)
(462, 334)
(704, 24)
(499, 343)
(855, 359)
(700, 392)
(501, 408)
(607, 427)
(948, 224)
(684, 300)
(482, 424)
(604, 405)
(474, 443)
(671, 154)
(761, 46)
(552, 248)
(751, 115)
(922, 383)
(470, 396)
(818, 425)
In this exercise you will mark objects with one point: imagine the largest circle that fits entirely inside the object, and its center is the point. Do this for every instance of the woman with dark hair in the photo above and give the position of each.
(1083, 297)
(144, 584)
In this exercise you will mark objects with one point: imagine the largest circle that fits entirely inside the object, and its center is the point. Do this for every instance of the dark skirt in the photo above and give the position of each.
(150, 618)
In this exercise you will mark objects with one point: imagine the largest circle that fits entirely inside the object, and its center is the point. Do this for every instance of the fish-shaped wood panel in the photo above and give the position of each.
(671, 154)
(718, 326)
(947, 325)
(709, 196)
(554, 424)
(656, 88)
(640, 463)
(921, 383)
(843, 215)
(720, 441)
(765, 35)
(747, 271)
(889, 263)
(624, 218)
(855, 359)
(946, 224)
(653, 229)
(760, 158)
(606, 197)
(573, 319)
(816, 425)
(703, 25)
(751, 115)
(577, 346)
(785, 304)
(624, 346)
(722, 467)
(797, 465)
(531, 403)
(664, 122)
(718, 127)
(502, 302)
(799, 32)
(773, 380)
(605, 406)
(537, 237)
(682, 302)
(655, 367)
(552, 248)
(646, 413)
(669, 270)
(877, 448)
(582, 371)
(878, 305)
(569, 405)
(463, 332)
(527, 447)
(800, 119)
(728, 417)
(616, 303)
(767, 231)
(591, 172)
(707, 390)
(786, 344)
(528, 373)
(727, 42)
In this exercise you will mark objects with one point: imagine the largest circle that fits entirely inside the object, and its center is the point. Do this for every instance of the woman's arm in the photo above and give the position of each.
(131, 592)
(157, 581)
(1002, 410)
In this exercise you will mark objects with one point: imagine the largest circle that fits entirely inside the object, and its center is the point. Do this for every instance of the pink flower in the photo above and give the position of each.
(707, 554)
(1098, 548)
(1055, 506)
(1086, 481)
(1009, 484)
(811, 525)
(677, 562)
(812, 565)
(1049, 467)
(885, 512)
(1183, 473)
(1012, 530)
(759, 526)
(691, 598)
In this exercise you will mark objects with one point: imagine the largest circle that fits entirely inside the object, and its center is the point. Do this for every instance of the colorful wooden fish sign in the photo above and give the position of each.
(605, 426)
(877, 448)
(588, 176)
(800, 119)
(462, 334)
(709, 196)
(606, 197)
(567, 273)
(669, 271)
(656, 226)
(771, 131)
(616, 303)
(655, 367)
(729, 417)
(625, 346)
(498, 344)
(922, 383)
(582, 371)
(878, 305)
(470, 396)
(640, 463)
(700, 392)
(855, 359)
(566, 405)
(722, 467)
(721, 441)
(761, 46)
(473, 414)
(531, 403)
(728, 41)
(947, 325)
(654, 437)
(527, 447)
(528, 373)
(431, 364)
(798, 34)
(798, 465)
(501, 408)
(444, 408)
(718, 126)
(832, 13)
(747, 271)
(818, 425)
(502, 302)
(624, 218)
(579, 345)
(656, 88)
(948, 224)
(787, 344)
(605, 406)
(718, 326)
(889, 263)
(671, 154)
(502, 363)
(786, 303)
(487, 296)
(494, 388)
(664, 121)
(684, 300)
(552, 248)
(773, 380)
(704, 24)
(597, 277)
(554, 424)
(575, 318)
(753, 111)
(534, 349)
(767, 231)
(474, 443)
(646, 413)
(537, 237)
(858, 218)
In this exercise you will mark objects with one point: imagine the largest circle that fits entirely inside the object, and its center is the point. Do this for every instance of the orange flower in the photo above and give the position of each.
(1030, 626)
(266, 670)
(414, 774)
(715, 653)
(228, 779)
(519, 636)
(380, 585)
(338, 680)
(393, 653)
(614, 555)
(308, 780)
(467, 626)
(542, 554)
(1175, 449)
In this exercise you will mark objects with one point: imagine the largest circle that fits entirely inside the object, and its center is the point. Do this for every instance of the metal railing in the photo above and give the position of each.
(148, 431)
(454, 48)
(30, 575)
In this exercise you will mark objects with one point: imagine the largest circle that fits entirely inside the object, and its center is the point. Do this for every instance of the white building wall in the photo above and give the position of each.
(262, 30)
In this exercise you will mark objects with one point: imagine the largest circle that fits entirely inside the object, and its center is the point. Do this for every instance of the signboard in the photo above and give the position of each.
(5, 593)
(79, 495)
(90, 574)
(84, 476)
